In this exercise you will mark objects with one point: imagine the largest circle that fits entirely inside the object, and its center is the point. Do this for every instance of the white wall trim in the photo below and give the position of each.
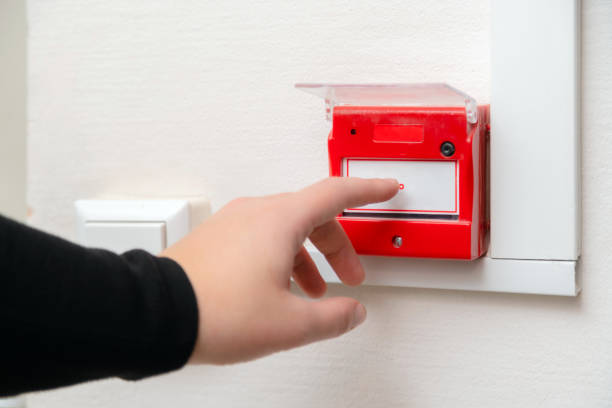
(13, 109)
(535, 129)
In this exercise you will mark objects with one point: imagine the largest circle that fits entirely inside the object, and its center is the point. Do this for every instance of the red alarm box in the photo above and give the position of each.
(433, 139)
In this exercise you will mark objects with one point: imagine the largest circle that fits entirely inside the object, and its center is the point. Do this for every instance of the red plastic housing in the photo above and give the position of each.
(362, 133)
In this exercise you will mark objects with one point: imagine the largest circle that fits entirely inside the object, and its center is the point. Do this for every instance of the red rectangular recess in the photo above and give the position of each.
(408, 133)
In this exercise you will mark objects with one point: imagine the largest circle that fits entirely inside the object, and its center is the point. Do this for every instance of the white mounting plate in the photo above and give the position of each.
(535, 166)
(540, 277)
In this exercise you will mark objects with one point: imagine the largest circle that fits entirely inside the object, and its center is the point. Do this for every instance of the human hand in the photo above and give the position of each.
(240, 262)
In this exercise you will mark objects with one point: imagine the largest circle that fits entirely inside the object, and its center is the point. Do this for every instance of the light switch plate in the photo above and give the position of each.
(119, 225)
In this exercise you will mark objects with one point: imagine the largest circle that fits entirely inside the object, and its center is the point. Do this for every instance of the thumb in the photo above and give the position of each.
(327, 318)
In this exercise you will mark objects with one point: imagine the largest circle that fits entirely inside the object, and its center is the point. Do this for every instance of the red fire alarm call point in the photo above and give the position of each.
(432, 138)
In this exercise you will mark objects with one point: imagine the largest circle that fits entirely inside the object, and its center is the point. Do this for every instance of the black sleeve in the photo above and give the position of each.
(70, 314)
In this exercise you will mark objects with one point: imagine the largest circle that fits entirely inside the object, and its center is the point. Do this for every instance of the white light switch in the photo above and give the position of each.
(426, 187)
(121, 225)
(123, 236)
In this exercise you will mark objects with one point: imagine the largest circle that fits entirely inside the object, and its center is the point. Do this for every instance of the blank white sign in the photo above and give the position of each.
(429, 187)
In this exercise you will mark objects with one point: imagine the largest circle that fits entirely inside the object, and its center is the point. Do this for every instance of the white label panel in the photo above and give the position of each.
(428, 187)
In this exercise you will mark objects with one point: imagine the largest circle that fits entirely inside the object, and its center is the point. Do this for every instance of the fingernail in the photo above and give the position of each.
(359, 315)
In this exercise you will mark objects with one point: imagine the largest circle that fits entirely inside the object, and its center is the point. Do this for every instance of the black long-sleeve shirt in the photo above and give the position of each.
(70, 314)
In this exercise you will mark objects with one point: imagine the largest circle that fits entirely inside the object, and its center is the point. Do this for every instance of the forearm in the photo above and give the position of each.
(71, 314)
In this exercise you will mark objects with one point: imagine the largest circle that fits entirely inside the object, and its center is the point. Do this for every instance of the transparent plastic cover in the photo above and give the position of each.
(391, 95)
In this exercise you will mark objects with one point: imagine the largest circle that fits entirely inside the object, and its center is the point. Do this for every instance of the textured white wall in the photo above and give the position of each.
(166, 98)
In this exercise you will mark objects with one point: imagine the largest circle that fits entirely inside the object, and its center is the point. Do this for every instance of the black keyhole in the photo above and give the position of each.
(447, 149)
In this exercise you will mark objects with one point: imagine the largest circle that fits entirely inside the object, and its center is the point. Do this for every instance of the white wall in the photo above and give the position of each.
(156, 98)
(12, 109)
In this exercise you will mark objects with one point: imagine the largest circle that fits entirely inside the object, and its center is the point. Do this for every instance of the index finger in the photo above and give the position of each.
(322, 201)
